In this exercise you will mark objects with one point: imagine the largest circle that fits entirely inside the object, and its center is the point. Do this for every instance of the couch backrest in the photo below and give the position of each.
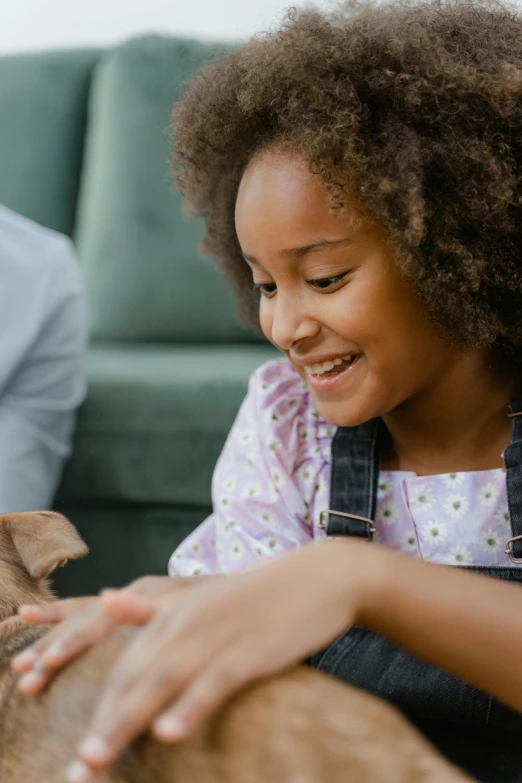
(43, 99)
(139, 251)
(84, 149)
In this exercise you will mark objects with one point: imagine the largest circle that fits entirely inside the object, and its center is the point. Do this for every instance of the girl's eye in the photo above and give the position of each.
(326, 282)
(265, 289)
(321, 283)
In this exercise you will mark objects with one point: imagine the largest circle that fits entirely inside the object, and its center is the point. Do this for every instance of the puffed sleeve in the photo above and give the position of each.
(263, 482)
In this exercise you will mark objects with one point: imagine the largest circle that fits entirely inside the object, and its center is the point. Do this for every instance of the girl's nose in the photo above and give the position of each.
(291, 323)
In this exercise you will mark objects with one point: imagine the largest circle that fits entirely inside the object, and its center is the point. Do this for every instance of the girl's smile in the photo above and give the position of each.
(324, 374)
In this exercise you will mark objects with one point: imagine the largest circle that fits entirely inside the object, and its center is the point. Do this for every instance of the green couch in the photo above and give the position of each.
(84, 149)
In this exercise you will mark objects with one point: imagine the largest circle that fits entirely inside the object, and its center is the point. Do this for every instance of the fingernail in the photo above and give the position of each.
(39, 668)
(108, 591)
(78, 772)
(30, 681)
(95, 750)
(169, 727)
(56, 650)
(26, 658)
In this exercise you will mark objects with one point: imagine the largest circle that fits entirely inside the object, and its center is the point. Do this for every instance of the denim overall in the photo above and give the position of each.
(487, 740)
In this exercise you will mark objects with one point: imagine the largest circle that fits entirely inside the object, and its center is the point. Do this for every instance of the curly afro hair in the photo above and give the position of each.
(414, 111)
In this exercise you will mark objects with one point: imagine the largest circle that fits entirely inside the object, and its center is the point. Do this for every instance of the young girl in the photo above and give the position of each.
(360, 175)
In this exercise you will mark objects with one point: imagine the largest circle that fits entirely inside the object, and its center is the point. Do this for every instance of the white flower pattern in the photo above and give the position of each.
(408, 542)
(435, 532)
(487, 495)
(423, 497)
(229, 484)
(456, 505)
(383, 487)
(236, 549)
(502, 516)
(452, 480)
(491, 542)
(459, 555)
(225, 502)
(252, 490)
(387, 513)
(267, 516)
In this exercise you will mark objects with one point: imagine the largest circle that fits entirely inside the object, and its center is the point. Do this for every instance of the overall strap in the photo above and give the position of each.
(513, 463)
(353, 484)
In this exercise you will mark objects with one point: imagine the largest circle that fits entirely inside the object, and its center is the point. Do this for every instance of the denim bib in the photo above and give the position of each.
(487, 742)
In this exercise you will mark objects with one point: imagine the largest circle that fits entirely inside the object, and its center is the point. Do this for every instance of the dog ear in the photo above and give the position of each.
(44, 540)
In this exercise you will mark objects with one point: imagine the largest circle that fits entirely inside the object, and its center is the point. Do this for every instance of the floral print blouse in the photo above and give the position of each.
(272, 482)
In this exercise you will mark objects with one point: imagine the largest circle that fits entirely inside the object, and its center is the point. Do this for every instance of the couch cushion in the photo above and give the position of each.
(155, 421)
(43, 106)
(136, 244)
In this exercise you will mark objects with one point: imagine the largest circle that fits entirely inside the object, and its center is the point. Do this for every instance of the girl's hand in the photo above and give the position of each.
(80, 623)
(203, 645)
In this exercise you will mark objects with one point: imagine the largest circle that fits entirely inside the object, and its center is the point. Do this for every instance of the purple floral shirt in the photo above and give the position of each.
(272, 482)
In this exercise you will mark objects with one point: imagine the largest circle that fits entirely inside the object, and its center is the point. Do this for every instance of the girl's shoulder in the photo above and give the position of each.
(285, 410)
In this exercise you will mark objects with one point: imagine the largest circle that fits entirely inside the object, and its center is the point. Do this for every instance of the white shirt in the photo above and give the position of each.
(42, 346)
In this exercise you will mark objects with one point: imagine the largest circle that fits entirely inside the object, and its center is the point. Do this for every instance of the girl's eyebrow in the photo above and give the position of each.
(299, 252)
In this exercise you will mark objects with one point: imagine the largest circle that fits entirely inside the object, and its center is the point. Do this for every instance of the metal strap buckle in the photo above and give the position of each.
(323, 520)
(508, 550)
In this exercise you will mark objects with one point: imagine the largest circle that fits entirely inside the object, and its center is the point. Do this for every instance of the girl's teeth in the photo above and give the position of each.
(320, 369)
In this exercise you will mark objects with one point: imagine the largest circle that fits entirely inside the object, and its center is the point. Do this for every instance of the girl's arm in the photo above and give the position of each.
(468, 624)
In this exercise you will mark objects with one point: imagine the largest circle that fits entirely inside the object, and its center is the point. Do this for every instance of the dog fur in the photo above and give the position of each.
(300, 727)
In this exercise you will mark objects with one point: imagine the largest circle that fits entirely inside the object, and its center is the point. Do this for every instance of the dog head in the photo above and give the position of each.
(32, 545)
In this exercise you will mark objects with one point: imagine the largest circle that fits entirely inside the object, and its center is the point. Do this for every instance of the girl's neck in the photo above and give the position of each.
(459, 423)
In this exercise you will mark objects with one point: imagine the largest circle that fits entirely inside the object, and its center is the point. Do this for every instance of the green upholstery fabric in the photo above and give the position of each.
(42, 126)
(136, 245)
(155, 421)
(125, 543)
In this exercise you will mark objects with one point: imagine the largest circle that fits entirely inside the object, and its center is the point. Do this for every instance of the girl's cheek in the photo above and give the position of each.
(265, 320)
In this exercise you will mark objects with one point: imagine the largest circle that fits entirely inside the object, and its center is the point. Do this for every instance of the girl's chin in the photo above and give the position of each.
(341, 413)
(344, 404)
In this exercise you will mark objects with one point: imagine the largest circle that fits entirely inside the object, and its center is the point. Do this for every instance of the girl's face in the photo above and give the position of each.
(332, 296)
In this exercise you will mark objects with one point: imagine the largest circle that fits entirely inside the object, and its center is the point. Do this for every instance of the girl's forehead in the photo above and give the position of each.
(279, 196)
(282, 172)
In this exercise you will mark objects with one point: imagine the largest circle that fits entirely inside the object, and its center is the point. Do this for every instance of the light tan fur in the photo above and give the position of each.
(300, 727)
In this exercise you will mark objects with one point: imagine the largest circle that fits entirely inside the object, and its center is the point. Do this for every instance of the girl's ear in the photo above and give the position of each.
(43, 540)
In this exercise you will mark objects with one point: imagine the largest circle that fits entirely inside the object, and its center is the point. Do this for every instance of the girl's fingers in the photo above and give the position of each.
(151, 585)
(120, 720)
(202, 698)
(44, 614)
(80, 624)
(127, 608)
(59, 648)
(73, 641)
(135, 694)
(27, 659)
(66, 640)
(56, 611)
(35, 679)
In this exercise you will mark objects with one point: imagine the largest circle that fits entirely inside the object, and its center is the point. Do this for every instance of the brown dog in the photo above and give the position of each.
(301, 727)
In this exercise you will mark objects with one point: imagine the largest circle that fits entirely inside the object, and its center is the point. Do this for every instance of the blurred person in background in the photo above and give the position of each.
(42, 343)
